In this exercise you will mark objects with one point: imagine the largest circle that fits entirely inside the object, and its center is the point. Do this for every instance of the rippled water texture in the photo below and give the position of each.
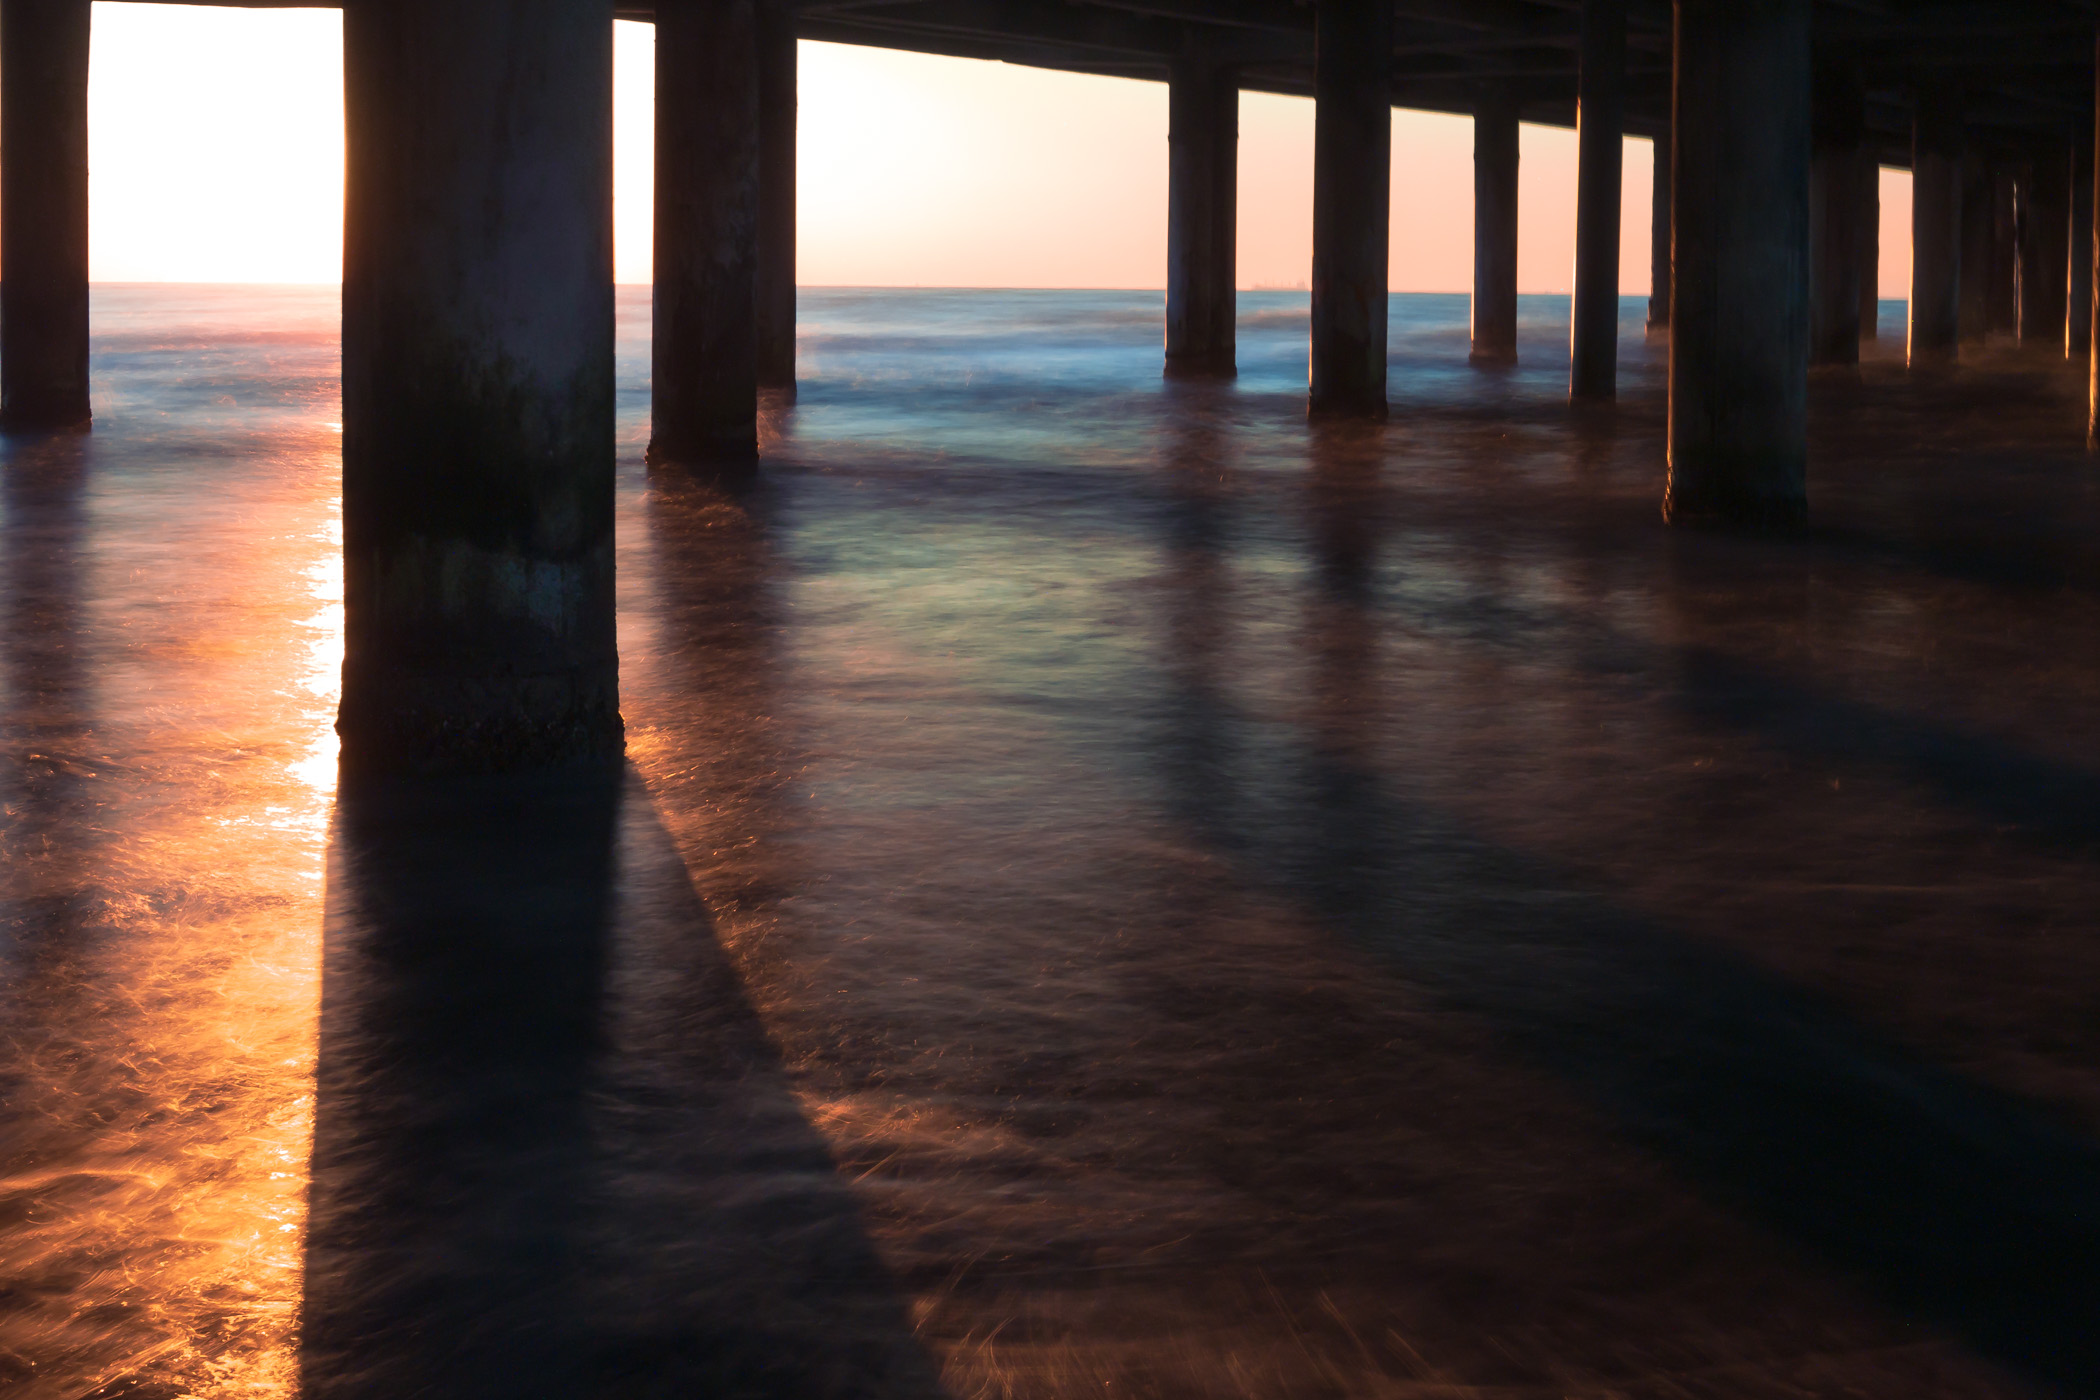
(1114, 893)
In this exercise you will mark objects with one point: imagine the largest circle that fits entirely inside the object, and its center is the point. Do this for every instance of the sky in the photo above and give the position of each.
(216, 137)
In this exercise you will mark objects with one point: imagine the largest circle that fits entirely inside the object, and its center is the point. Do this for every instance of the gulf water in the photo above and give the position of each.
(1115, 891)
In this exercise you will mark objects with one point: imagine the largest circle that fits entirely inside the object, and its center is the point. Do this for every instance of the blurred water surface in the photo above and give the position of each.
(1114, 891)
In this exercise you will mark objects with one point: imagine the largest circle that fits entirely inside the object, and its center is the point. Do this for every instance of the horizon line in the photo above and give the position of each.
(868, 287)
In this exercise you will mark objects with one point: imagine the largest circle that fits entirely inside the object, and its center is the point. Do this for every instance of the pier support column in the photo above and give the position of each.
(777, 112)
(2078, 334)
(704, 356)
(1203, 149)
(43, 213)
(1869, 247)
(1839, 126)
(1659, 241)
(1974, 316)
(2045, 248)
(1600, 131)
(1935, 226)
(2092, 422)
(2004, 309)
(1352, 187)
(1495, 225)
(478, 386)
(1739, 275)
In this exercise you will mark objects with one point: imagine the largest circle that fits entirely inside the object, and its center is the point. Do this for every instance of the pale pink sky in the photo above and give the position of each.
(216, 155)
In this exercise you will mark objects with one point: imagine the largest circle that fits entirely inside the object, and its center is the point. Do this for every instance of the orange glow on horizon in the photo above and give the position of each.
(217, 156)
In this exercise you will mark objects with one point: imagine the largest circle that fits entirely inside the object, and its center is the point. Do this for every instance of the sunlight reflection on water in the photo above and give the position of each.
(324, 678)
(172, 642)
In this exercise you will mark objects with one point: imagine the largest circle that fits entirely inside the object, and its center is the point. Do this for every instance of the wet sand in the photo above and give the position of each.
(1113, 892)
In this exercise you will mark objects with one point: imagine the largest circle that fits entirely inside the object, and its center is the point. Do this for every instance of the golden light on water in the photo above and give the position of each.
(324, 677)
(164, 985)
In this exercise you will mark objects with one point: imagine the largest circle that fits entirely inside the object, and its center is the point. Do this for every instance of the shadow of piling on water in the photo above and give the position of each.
(1957, 1203)
(47, 700)
(59, 1090)
(555, 1154)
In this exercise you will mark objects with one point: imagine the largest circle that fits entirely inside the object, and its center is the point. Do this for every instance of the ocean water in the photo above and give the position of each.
(1115, 891)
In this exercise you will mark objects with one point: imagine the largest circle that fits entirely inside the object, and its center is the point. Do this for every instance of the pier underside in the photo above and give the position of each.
(2027, 64)
(1161, 900)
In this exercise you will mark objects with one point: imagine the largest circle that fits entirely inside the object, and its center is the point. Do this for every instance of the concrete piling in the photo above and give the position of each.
(2003, 312)
(1869, 247)
(478, 386)
(1203, 134)
(1352, 151)
(43, 213)
(1600, 126)
(2078, 332)
(774, 289)
(1738, 433)
(1838, 120)
(1977, 254)
(1935, 226)
(2092, 420)
(1659, 240)
(704, 356)
(2045, 247)
(1494, 226)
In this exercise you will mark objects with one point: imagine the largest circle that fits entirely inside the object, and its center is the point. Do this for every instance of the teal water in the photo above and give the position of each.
(1115, 891)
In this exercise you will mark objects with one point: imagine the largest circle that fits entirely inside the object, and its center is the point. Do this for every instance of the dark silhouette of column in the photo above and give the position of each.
(1739, 269)
(2092, 421)
(1600, 127)
(43, 213)
(2004, 309)
(1935, 225)
(1839, 121)
(2025, 255)
(2044, 230)
(2078, 334)
(1869, 247)
(777, 110)
(1352, 153)
(1203, 142)
(1494, 225)
(478, 386)
(704, 363)
(1974, 316)
(1659, 239)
